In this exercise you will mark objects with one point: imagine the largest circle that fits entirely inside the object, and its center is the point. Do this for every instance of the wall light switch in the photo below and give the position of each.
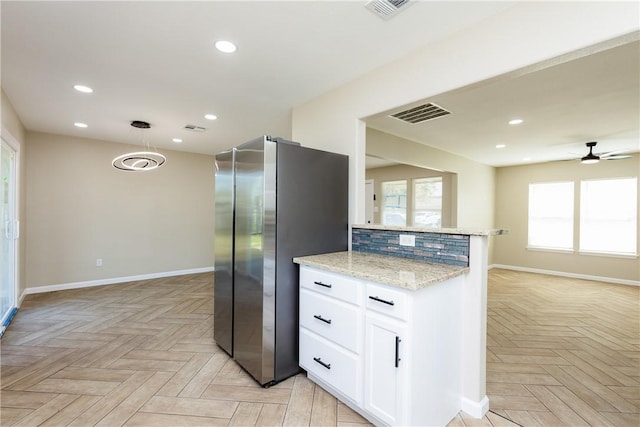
(407, 240)
(99, 262)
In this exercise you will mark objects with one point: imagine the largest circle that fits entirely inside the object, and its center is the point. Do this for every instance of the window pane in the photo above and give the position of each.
(394, 203)
(551, 215)
(608, 215)
(427, 202)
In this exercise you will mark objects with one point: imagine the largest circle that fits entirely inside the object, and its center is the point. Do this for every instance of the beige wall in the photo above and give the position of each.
(11, 123)
(474, 182)
(398, 172)
(494, 48)
(80, 208)
(512, 211)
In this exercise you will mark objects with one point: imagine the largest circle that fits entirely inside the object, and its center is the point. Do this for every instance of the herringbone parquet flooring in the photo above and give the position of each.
(560, 352)
(563, 352)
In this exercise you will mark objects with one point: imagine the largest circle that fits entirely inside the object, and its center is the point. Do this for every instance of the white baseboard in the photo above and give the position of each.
(475, 409)
(110, 281)
(565, 274)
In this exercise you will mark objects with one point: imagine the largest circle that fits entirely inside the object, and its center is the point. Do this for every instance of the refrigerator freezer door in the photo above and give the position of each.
(254, 292)
(223, 275)
(312, 218)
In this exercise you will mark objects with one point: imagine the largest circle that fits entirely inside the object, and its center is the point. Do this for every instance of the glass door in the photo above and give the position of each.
(9, 237)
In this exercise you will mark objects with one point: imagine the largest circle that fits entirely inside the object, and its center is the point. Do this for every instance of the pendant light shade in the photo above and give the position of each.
(139, 161)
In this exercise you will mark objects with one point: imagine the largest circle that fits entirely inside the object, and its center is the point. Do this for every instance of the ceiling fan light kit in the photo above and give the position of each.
(595, 158)
(590, 158)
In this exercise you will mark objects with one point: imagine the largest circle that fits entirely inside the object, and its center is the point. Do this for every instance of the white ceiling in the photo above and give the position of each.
(592, 98)
(155, 61)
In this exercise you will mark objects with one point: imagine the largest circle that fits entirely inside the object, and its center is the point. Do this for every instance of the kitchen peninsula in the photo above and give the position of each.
(398, 331)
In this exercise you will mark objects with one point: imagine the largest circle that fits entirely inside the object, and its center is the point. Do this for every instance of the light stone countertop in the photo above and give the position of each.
(463, 231)
(395, 271)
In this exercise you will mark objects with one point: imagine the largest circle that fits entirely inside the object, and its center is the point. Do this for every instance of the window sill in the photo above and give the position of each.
(609, 254)
(587, 253)
(555, 250)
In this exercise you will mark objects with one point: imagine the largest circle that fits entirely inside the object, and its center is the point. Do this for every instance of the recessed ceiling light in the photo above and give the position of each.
(210, 116)
(515, 121)
(526, 159)
(178, 140)
(81, 125)
(84, 89)
(500, 146)
(225, 46)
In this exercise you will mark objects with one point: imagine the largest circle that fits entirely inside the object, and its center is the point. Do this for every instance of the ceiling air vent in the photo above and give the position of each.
(421, 113)
(385, 9)
(195, 128)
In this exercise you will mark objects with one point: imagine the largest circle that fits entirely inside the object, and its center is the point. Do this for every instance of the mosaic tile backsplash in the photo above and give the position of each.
(452, 249)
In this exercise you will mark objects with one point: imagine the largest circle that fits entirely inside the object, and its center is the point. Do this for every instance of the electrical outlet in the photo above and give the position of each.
(99, 262)
(407, 240)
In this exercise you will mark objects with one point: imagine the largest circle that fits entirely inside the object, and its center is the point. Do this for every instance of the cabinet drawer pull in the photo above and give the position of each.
(384, 301)
(326, 365)
(322, 319)
(397, 351)
(322, 284)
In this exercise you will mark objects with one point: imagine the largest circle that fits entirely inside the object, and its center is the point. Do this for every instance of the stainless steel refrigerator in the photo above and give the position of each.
(274, 200)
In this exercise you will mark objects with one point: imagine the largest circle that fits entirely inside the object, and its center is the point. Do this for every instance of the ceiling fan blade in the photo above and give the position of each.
(616, 157)
(612, 153)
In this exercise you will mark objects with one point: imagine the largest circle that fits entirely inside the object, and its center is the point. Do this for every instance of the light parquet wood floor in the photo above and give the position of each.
(560, 352)
(563, 352)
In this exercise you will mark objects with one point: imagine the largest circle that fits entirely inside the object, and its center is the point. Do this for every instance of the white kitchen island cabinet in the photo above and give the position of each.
(390, 353)
(385, 372)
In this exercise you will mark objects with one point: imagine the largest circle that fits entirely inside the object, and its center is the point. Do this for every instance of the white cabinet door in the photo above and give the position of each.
(384, 367)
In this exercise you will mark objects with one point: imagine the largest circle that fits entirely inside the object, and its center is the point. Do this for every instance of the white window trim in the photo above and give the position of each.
(609, 254)
(553, 250)
(587, 252)
(572, 249)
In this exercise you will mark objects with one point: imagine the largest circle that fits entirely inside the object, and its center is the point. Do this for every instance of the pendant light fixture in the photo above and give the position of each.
(140, 161)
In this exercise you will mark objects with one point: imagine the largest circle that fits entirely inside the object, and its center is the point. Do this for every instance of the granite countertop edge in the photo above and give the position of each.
(462, 231)
(389, 270)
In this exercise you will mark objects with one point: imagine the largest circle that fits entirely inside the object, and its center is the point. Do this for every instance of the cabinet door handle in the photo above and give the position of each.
(398, 340)
(326, 365)
(322, 319)
(384, 301)
(323, 284)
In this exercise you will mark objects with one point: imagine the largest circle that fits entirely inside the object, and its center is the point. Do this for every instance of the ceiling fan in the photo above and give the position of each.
(595, 158)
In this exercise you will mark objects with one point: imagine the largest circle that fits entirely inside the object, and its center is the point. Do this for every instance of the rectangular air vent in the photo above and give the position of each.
(195, 128)
(385, 9)
(421, 113)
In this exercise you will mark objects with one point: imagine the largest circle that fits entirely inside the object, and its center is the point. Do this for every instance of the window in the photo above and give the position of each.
(394, 203)
(427, 202)
(551, 215)
(608, 215)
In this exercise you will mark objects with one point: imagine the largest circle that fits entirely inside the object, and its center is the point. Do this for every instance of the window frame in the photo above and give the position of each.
(570, 219)
(384, 201)
(415, 210)
(582, 221)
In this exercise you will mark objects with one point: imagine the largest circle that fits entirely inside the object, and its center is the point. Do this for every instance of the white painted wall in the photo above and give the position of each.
(80, 208)
(515, 41)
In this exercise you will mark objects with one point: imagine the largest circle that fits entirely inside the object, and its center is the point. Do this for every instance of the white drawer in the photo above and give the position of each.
(330, 363)
(387, 300)
(331, 284)
(331, 319)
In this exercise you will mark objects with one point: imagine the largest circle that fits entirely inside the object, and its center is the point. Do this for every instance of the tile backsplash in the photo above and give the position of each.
(433, 247)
